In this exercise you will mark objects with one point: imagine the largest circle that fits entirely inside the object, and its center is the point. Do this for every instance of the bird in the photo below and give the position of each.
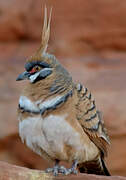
(58, 118)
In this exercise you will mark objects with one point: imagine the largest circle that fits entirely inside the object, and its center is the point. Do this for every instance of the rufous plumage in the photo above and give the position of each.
(58, 118)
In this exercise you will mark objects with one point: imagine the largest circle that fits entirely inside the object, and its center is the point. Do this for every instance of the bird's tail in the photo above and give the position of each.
(97, 167)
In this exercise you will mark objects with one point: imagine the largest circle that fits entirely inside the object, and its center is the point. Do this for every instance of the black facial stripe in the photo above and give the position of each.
(30, 65)
(43, 75)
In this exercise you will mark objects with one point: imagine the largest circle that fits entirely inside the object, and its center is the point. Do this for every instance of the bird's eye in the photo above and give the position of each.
(35, 69)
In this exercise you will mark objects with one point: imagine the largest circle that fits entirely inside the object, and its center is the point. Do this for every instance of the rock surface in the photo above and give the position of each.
(8, 172)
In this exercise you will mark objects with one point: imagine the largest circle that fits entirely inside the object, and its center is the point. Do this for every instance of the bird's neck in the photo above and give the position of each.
(45, 89)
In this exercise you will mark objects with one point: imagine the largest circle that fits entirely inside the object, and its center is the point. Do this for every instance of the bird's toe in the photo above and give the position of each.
(54, 170)
(62, 170)
(72, 171)
(67, 171)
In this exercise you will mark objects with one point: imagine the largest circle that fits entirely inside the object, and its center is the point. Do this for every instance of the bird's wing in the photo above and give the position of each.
(96, 166)
(90, 119)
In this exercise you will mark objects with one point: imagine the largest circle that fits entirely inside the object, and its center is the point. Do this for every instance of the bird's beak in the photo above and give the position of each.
(22, 76)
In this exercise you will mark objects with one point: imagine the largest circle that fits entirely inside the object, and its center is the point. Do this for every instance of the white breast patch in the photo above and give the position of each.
(38, 105)
(27, 104)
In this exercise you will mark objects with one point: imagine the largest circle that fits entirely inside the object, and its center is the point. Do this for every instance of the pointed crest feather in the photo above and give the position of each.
(45, 33)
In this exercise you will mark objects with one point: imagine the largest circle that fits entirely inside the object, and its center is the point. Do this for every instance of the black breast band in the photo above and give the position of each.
(62, 100)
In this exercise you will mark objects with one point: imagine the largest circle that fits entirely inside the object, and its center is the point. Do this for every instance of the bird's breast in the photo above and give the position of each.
(39, 106)
(28, 105)
(53, 133)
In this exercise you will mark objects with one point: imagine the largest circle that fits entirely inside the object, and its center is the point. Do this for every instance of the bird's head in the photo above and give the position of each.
(43, 67)
(38, 68)
(40, 65)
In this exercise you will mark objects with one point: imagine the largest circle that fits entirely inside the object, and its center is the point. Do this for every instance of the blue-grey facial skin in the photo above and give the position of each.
(39, 75)
(23, 76)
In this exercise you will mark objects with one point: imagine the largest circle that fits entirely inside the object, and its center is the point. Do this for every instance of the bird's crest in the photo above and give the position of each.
(45, 33)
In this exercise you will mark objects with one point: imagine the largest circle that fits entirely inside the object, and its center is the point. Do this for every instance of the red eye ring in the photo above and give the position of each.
(33, 70)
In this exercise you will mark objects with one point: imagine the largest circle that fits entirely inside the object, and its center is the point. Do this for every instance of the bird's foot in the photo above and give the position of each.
(55, 170)
(67, 171)
(72, 170)
(61, 169)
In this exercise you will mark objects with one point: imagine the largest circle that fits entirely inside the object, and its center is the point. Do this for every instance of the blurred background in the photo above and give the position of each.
(89, 39)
